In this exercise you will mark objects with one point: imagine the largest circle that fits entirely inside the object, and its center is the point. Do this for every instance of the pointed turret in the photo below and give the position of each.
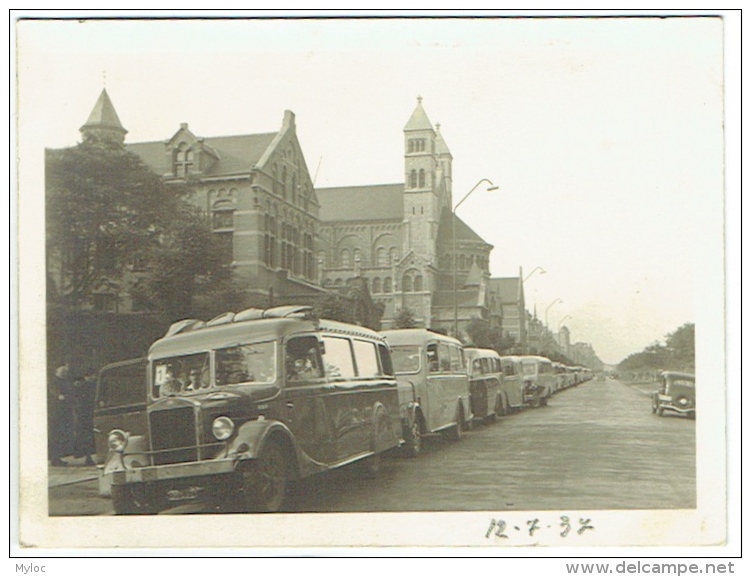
(474, 278)
(418, 120)
(103, 122)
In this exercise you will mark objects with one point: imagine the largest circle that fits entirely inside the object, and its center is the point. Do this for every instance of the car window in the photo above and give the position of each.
(406, 358)
(444, 359)
(387, 366)
(174, 375)
(302, 360)
(434, 365)
(337, 358)
(366, 357)
(456, 359)
(250, 363)
(123, 385)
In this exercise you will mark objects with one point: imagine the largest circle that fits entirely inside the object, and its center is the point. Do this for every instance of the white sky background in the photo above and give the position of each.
(604, 135)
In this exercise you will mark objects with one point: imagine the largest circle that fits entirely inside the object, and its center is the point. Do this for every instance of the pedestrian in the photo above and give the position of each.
(83, 409)
(62, 421)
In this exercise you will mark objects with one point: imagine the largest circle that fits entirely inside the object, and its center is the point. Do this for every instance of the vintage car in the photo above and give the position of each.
(120, 403)
(677, 393)
(243, 405)
(485, 380)
(433, 381)
(513, 384)
(539, 380)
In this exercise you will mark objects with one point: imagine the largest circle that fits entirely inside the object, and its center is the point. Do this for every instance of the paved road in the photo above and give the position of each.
(596, 446)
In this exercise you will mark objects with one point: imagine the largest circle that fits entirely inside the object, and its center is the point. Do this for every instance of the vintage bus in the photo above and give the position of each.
(241, 406)
(120, 403)
(539, 380)
(513, 383)
(431, 370)
(485, 383)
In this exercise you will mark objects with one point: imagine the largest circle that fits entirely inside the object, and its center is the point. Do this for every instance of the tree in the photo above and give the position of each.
(482, 335)
(185, 263)
(676, 353)
(405, 319)
(105, 207)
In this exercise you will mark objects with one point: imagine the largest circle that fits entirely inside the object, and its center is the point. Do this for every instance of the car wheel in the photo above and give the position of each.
(412, 439)
(266, 479)
(454, 433)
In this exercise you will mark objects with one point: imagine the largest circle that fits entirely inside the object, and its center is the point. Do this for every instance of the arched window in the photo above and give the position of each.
(413, 179)
(338, 282)
(407, 283)
(381, 257)
(387, 288)
(345, 257)
(357, 255)
(376, 285)
(421, 182)
(418, 283)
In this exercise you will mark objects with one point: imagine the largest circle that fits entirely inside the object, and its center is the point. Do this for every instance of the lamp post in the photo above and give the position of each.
(555, 302)
(534, 270)
(491, 187)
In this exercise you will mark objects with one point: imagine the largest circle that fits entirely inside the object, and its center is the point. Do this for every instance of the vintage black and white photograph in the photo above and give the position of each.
(360, 282)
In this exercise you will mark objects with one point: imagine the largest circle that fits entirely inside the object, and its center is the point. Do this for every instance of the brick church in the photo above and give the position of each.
(286, 240)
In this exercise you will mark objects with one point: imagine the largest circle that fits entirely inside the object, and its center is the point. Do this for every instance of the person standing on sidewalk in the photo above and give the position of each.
(83, 409)
(61, 421)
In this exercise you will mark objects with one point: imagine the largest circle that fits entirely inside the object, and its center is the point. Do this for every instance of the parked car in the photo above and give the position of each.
(120, 403)
(432, 374)
(539, 380)
(513, 383)
(485, 379)
(677, 393)
(243, 405)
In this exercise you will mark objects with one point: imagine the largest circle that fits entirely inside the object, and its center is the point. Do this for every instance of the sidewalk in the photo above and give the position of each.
(75, 472)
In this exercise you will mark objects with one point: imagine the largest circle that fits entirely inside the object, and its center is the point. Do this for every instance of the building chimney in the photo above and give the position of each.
(289, 119)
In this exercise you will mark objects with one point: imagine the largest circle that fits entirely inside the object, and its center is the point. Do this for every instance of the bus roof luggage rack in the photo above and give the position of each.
(183, 326)
(251, 314)
(221, 319)
(301, 311)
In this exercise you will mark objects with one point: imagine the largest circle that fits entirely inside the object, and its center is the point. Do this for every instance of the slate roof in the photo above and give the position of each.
(463, 231)
(506, 288)
(464, 298)
(237, 154)
(418, 120)
(103, 115)
(360, 203)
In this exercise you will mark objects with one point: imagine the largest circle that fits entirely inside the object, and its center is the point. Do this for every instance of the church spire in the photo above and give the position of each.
(103, 123)
(418, 120)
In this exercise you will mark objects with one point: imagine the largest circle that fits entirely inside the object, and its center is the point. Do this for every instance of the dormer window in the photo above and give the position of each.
(183, 164)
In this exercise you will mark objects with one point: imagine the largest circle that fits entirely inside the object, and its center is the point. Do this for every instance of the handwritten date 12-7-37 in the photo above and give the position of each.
(564, 526)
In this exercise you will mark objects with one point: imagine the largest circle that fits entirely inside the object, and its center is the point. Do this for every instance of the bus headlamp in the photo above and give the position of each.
(222, 427)
(117, 440)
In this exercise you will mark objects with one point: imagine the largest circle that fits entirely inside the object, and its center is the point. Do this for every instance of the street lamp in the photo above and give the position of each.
(534, 270)
(555, 302)
(491, 187)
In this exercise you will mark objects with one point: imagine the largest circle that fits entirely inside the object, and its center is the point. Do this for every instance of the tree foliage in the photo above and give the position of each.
(405, 319)
(676, 353)
(104, 207)
(482, 335)
(106, 211)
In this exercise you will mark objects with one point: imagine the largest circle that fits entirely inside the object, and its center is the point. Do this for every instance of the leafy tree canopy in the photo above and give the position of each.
(676, 353)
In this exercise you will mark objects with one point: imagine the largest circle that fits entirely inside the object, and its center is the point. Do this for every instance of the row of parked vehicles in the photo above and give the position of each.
(238, 408)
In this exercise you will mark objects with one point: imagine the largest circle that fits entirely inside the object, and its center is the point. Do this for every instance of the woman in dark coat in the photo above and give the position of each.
(62, 419)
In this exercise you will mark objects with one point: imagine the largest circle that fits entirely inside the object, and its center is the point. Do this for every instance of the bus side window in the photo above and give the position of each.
(366, 357)
(338, 358)
(302, 360)
(444, 359)
(433, 363)
(456, 360)
(387, 367)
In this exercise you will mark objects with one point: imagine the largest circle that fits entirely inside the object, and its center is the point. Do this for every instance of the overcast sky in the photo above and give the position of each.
(604, 136)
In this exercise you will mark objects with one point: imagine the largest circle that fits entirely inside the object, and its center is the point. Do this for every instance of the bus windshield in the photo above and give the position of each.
(406, 359)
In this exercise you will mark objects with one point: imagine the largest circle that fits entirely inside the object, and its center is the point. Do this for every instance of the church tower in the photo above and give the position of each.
(103, 124)
(423, 187)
